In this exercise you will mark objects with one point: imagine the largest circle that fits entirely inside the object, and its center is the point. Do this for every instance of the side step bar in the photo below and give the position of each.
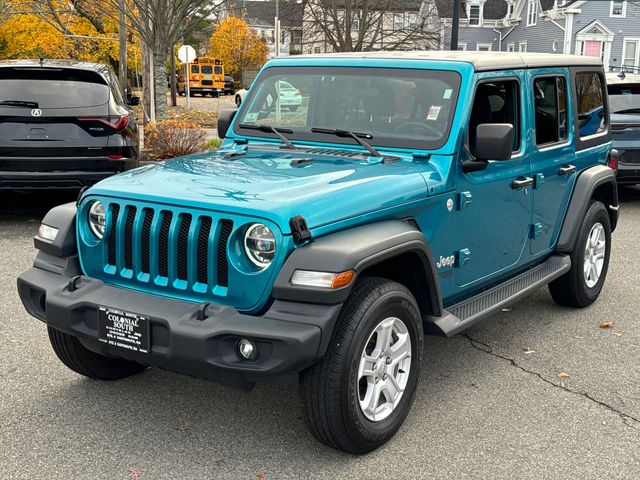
(468, 312)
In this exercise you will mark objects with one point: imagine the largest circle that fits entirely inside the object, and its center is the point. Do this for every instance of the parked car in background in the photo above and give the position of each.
(241, 94)
(63, 124)
(624, 103)
(229, 84)
(290, 98)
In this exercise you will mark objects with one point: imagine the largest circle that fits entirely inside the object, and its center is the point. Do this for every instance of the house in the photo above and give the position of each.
(260, 17)
(401, 25)
(606, 29)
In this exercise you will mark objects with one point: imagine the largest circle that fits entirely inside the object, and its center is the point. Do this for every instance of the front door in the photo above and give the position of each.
(553, 155)
(495, 221)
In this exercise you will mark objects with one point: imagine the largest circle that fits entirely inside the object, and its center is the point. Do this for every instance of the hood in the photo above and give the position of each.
(266, 184)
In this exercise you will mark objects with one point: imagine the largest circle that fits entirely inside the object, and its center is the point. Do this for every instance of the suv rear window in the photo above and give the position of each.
(53, 88)
(591, 114)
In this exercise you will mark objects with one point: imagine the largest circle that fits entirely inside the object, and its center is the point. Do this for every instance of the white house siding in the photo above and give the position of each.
(628, 26)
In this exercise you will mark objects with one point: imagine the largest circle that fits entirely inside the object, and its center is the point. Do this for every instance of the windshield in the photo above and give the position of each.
(624, 97)
(396, 107)
(206, 69)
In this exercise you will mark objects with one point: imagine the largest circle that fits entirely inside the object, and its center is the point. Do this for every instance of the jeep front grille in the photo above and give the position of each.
(166, 248)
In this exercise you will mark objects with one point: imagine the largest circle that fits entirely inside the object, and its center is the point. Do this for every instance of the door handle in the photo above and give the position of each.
(521, 182)
(566, 170)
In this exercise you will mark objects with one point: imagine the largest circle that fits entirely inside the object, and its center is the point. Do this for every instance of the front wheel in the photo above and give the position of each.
(358, 396)
(582, 284)
(90, 364)
(238, 101)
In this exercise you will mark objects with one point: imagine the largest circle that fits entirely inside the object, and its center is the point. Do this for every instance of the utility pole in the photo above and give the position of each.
(122, 57)
(455, 25)
(276, 29)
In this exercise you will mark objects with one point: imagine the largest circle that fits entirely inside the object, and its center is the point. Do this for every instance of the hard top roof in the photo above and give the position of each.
(47, 63)
(481, 61)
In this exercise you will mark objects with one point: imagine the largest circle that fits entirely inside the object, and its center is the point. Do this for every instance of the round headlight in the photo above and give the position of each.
(260, 245)
(97, 219)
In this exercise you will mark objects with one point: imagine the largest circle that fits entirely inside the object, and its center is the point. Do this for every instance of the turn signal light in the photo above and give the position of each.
(308, 278)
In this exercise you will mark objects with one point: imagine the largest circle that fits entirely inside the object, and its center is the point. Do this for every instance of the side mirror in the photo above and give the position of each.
(133, 100)
(494, 141)
(224, 121)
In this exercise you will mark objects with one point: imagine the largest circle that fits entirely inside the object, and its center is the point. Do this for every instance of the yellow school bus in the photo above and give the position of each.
(206, 76)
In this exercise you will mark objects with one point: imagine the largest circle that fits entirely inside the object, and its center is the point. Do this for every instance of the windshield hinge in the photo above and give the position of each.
(299, 229)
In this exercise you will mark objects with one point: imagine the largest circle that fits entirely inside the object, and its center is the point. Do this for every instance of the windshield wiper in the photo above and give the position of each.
(19, 103)
(277, 131)
(629, 110)
(358, 137)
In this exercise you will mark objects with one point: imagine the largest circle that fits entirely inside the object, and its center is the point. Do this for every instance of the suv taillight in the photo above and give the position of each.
(116, 123)
(612, 160)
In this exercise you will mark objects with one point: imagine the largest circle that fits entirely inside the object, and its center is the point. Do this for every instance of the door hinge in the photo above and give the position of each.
(464, 256)
(465, 199)
(536, 230)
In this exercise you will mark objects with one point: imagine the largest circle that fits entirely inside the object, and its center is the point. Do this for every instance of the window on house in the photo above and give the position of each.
(511, 47)
(550, 94)
(355, 21)
(340, 15)
(398, 21)
(413, 20)
(592, 118)
(522, 47)
(474, 15)
(496, 102)
(630, 56)
(483, 47)
(618, 8)
(532, 12)
(462, 46)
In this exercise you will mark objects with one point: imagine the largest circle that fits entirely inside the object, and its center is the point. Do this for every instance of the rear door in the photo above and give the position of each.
(553, 154)
(53, 113)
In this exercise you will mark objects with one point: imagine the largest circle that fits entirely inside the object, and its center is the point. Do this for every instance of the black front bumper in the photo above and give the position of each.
(186, 337)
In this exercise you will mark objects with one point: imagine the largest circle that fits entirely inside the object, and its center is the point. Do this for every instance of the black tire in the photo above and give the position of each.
(85, 362)
(238, 101)
(571, 289)
(329, 389)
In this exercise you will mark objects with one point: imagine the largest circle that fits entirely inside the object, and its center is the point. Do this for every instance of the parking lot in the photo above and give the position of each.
(539, 391)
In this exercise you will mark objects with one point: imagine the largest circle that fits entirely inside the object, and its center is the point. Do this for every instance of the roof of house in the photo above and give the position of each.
(260, 12)
(481, 61)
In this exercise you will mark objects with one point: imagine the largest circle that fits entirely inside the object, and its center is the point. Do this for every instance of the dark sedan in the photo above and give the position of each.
(63, 124)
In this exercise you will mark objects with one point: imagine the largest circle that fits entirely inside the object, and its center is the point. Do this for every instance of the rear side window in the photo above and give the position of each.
(218, 70)
(195, 69)
(592, 118)
(550, 94)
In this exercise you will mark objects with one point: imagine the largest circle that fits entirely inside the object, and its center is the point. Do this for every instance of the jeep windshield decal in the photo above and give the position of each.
(399, 108)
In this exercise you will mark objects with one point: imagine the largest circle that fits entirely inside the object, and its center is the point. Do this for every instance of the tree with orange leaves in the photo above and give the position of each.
(237, 46)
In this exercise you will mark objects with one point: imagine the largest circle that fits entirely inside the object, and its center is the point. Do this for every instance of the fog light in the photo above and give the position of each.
(247, 349)
(47, 232)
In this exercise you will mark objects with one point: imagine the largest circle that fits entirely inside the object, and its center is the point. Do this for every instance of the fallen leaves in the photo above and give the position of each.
(528, 350)
(606, 324)
(616, 334)
(261, 476)
(563, 374)
(135, 473)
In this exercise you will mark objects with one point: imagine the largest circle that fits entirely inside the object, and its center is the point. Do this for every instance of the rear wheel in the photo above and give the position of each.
(238, 100)
(357, 397)
(90, 364)
(582, 284)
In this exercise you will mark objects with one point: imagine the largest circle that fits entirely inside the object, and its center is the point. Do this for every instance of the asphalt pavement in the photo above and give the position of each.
(537, 392)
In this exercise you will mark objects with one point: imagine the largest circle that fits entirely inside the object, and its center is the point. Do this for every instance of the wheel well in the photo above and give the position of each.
(605, 194)
(407, 269)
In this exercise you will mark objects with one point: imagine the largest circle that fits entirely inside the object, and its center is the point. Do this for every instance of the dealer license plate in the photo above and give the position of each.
(123, 329)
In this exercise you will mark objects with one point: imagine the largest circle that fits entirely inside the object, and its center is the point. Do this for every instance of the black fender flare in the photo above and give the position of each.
(62, 217)
(586, 185)
(357, 248)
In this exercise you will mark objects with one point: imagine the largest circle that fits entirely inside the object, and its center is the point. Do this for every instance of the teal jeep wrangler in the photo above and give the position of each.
(408, 193)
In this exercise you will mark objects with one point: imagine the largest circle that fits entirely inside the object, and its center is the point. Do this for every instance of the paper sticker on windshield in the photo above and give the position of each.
(447, 93)
(434, 112)
(251, 117)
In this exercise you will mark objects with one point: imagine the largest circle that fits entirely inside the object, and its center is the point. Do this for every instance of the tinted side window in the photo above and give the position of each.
(550, 94)
(496, 102)
(592, 117)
